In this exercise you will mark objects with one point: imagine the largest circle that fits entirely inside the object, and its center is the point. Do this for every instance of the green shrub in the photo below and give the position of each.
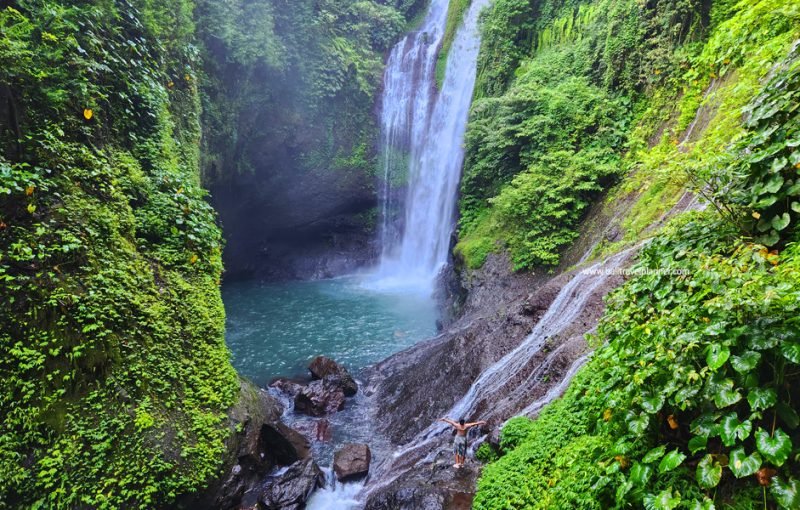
(514, 432)
(486, 453)
(566, 134)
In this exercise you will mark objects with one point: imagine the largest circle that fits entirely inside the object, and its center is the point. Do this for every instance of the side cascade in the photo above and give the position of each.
(498, 392)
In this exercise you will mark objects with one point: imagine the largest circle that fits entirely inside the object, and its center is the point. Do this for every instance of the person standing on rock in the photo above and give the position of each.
(460, 442)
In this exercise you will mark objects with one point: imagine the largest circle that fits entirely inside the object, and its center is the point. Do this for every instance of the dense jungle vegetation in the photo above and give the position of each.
(114, 376)
(115, 379)
(690, 400)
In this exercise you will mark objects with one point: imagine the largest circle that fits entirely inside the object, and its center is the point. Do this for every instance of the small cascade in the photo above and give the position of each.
(422, 146)
(335, 495)
(501, 384)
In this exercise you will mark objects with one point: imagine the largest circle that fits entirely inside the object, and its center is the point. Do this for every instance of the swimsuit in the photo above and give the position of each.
(460, 445)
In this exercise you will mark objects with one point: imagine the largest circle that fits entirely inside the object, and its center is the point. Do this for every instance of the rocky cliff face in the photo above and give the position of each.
(444, 370)
(282, 223)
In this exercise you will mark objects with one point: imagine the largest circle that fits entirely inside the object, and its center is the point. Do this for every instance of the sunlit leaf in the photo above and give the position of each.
(742, 464)
(708, 473)
(654, 454)
(775, 448)
(762, 398)
(671, 460)
(786, 493)
(717, 356)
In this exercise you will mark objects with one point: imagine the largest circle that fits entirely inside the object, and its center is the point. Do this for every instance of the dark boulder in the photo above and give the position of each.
(283, 444)
(428, 486)
(409, 498)
(319, 398)
(351, 462)
(259, 442)
(292, 488)
(246, 463)
(325, 368)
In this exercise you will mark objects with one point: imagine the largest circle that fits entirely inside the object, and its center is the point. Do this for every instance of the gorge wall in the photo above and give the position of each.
(290, 136)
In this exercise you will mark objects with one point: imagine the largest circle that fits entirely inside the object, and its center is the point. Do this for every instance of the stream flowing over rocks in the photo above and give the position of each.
(501, 359)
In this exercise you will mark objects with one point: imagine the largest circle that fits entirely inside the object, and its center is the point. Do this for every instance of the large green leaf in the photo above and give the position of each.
(717, 355)
(774, 184)
(778, 164)
(791, 351)
(653, 404)
(640, 473)
(731, 429)
(742, 464)
(704, 425)
(671, 460)
(746, 362)
(727, 397)
(769, 239)
(665, 500)
(697, 443)
(654, 454)
(706, 504)
(787, 493)
(781, 222)
(763, 342)
(639, 424)
(775, 449)
(709, 472)
(762, 398)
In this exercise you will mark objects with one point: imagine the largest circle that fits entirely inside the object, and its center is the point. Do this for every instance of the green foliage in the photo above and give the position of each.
(695, 377)
(456, 10)
(566, 134)
(560, 77)
(486, 453)
(757, 186)
(681, 347)
(515, 432)
(115, 375)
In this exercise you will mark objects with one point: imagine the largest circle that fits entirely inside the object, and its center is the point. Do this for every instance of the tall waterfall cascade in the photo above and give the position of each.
(422, 146)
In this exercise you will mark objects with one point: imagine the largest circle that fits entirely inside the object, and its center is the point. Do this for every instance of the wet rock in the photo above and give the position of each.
(351, 462)
(286, 386)
(429, 486)
(284, 444)
(327, 369)
(292, 488)
(408, 498)
(246, 461)
(319, 398)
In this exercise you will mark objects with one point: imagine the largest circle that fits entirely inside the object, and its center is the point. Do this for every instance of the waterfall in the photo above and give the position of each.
(422, 144)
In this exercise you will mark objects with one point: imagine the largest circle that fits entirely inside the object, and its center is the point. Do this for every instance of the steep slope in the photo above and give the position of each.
(688, 401)
(114, 375)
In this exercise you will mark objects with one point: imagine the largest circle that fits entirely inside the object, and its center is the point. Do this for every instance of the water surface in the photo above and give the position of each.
(275, 329)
